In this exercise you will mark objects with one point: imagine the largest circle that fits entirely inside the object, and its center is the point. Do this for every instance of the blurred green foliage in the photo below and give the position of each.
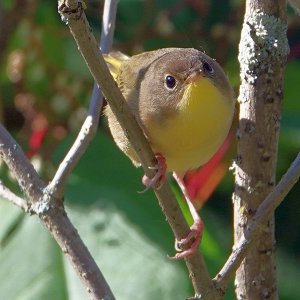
(44, 95)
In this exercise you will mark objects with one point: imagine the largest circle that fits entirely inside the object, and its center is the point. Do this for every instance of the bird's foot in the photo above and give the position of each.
(188, 246)
(160, 176)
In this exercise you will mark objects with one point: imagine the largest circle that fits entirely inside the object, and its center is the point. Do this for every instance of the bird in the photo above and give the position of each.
(184, 103)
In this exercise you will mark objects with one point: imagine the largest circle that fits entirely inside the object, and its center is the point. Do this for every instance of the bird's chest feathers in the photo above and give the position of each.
(193, 134)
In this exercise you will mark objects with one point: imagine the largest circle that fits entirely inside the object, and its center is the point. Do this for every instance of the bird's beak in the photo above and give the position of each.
(193, 76)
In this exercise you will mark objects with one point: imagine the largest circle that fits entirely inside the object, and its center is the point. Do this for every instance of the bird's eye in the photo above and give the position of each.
(207, 67)
(170, 82)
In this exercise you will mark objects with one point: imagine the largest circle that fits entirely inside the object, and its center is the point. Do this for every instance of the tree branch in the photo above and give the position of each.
(90, 125)
(267, 207)
(76, 20)
(12, 154)
(263, 52)
(8, 195)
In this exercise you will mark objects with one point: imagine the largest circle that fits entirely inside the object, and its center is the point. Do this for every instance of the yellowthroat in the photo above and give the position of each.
(184, 103)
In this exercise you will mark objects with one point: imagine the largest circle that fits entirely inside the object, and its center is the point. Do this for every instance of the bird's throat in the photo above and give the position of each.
(191, 136)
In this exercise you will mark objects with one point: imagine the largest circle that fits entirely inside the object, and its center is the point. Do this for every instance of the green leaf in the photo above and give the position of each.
(30, 263)
(131, 262)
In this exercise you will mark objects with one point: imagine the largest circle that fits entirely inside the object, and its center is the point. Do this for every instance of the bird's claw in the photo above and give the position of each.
(187, 246)
(160, 176)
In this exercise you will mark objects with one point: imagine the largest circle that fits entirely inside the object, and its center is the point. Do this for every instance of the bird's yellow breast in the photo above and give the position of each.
(192, 136)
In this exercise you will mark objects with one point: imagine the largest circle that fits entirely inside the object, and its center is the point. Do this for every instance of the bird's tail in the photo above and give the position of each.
(114, 61)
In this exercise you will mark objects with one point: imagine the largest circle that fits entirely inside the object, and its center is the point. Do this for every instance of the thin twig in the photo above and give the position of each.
(87, 45)
(106, 41)
(8, 195)
(90, 125)
(267, 207)
(108, 25)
